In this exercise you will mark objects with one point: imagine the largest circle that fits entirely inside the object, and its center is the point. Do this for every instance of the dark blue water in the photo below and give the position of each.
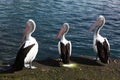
(49, 15)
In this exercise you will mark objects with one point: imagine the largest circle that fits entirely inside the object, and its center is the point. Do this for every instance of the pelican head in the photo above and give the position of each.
(30, 28)
(64, 29)
(99, 23)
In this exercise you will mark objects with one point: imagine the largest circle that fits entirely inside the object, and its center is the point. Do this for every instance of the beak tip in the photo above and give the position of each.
(57, 37)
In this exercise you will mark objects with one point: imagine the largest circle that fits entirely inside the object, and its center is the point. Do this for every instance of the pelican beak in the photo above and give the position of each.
(96, 24)
(26, 31)
(61, 32)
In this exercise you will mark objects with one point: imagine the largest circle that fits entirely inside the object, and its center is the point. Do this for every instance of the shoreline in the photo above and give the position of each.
(51, 69)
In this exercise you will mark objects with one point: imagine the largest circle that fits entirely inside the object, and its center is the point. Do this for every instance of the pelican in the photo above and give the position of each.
(64, 46)
(28, 49)
(100, 44)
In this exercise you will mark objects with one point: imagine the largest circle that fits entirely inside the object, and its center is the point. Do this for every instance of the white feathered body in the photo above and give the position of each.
(33, 52)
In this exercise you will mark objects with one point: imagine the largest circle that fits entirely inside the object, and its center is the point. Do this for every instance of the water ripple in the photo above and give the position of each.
(49, 16)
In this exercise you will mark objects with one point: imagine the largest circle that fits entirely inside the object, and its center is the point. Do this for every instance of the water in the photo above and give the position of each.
(49, 16)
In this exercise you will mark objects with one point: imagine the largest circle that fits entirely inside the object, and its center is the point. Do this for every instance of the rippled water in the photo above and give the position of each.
(49, 15)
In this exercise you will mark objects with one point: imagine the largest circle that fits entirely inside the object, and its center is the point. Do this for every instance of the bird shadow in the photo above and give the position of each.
(55, 63)
(49, 62)
(79, 60)
(85, 61)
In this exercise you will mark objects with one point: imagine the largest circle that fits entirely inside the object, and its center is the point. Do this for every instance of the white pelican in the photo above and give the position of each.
(100, 44)
(64, 46)
(28, 50)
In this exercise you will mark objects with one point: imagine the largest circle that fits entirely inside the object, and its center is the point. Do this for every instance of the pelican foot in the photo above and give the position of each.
(96, 59)
(27, 67)
(33, 67)
(108, 61)
(60, 59)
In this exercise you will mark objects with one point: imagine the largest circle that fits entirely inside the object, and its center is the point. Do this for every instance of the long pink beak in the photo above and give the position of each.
(97, 23)
(61, 32)
(25, 32)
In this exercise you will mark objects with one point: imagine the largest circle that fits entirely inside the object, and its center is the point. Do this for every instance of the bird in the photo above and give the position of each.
(100, 44)
(28, 49)
(64, 45)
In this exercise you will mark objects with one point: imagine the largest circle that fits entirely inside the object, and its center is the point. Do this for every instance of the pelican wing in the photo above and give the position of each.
(103, 50)
(65, 52)
(107, 43)
(69, 47)
(19, 61)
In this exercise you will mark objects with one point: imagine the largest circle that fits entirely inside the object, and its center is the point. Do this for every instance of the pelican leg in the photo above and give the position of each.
(108, 61)
(97, 58)
(32, 67)
(59, 59)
